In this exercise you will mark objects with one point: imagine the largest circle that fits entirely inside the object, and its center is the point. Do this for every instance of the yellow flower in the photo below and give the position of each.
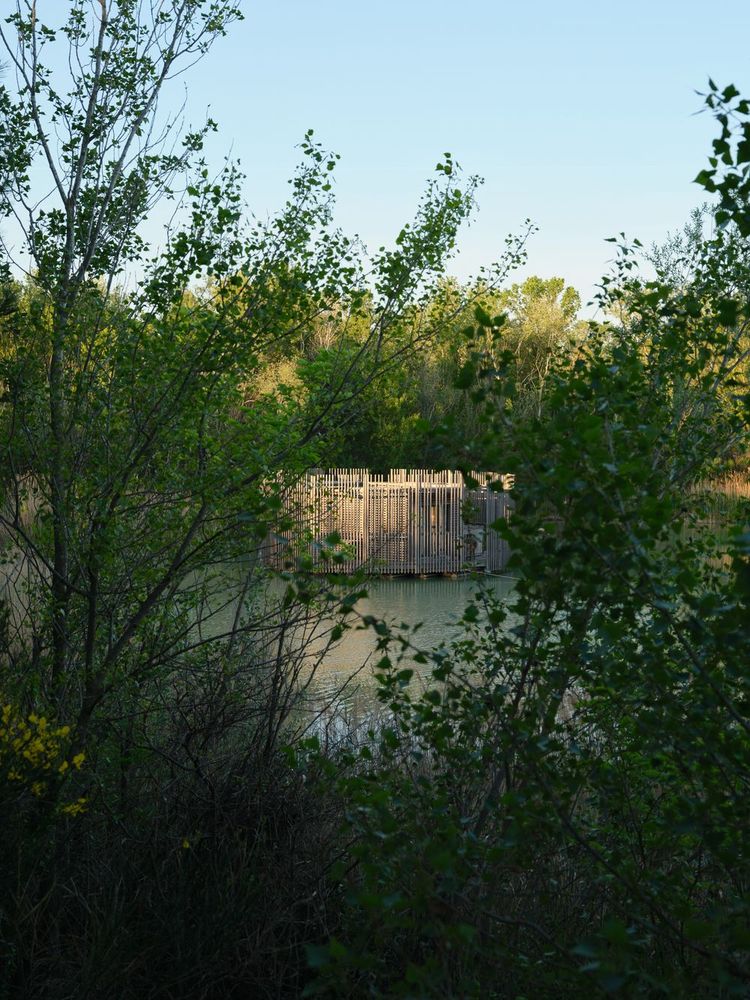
(78, 760)
(185, 844)
(74, 808)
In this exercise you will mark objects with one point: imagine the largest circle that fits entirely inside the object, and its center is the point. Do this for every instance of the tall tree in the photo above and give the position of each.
(127, 424)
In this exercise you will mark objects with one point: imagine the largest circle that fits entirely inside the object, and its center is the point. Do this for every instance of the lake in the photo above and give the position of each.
(344, 670)
(437, 603)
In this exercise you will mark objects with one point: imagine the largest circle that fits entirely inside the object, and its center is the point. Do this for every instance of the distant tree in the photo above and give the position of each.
(542, 322)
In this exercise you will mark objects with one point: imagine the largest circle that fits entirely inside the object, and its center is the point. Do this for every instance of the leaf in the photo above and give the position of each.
(585, 949)
(610, 982)
(706, 180)
(615, 932)
(482, 316)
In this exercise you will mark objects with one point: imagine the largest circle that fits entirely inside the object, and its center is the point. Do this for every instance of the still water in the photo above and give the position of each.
(344, 670)
(345, 673)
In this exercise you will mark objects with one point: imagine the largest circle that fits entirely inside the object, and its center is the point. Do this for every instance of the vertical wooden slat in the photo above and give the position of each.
(409, 521)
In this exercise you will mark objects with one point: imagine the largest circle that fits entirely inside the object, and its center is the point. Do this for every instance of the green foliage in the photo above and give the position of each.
(727, 174)
(563, 810)
(143, 453)
(418, 389)
(139, 447)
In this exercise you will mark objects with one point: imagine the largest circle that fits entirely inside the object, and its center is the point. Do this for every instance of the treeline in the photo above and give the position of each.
(561, 807)
(399, 402)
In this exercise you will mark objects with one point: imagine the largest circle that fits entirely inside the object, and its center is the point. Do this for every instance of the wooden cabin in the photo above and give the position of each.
(407, 522)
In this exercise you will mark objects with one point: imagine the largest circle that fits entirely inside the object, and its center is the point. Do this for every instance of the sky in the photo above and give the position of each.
(578, 115)
(581, 116)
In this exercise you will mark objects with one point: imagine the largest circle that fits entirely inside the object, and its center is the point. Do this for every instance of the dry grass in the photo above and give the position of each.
(734, 485)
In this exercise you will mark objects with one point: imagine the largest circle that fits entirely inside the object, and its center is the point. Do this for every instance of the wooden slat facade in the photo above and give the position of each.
(410, 521)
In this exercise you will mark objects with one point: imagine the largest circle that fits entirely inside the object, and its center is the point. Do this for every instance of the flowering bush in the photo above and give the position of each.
(34, 758)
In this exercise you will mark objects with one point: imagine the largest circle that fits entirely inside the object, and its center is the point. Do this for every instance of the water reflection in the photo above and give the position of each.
(435, 605)
(343, 683)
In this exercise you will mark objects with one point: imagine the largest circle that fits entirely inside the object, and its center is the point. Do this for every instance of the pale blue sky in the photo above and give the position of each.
(577, 114)
(580, 115)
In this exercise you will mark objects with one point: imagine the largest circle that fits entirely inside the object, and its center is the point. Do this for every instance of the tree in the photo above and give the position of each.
(562, 807)
(542, 323)
(141, 453)
(126, 419)
(397, 415)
